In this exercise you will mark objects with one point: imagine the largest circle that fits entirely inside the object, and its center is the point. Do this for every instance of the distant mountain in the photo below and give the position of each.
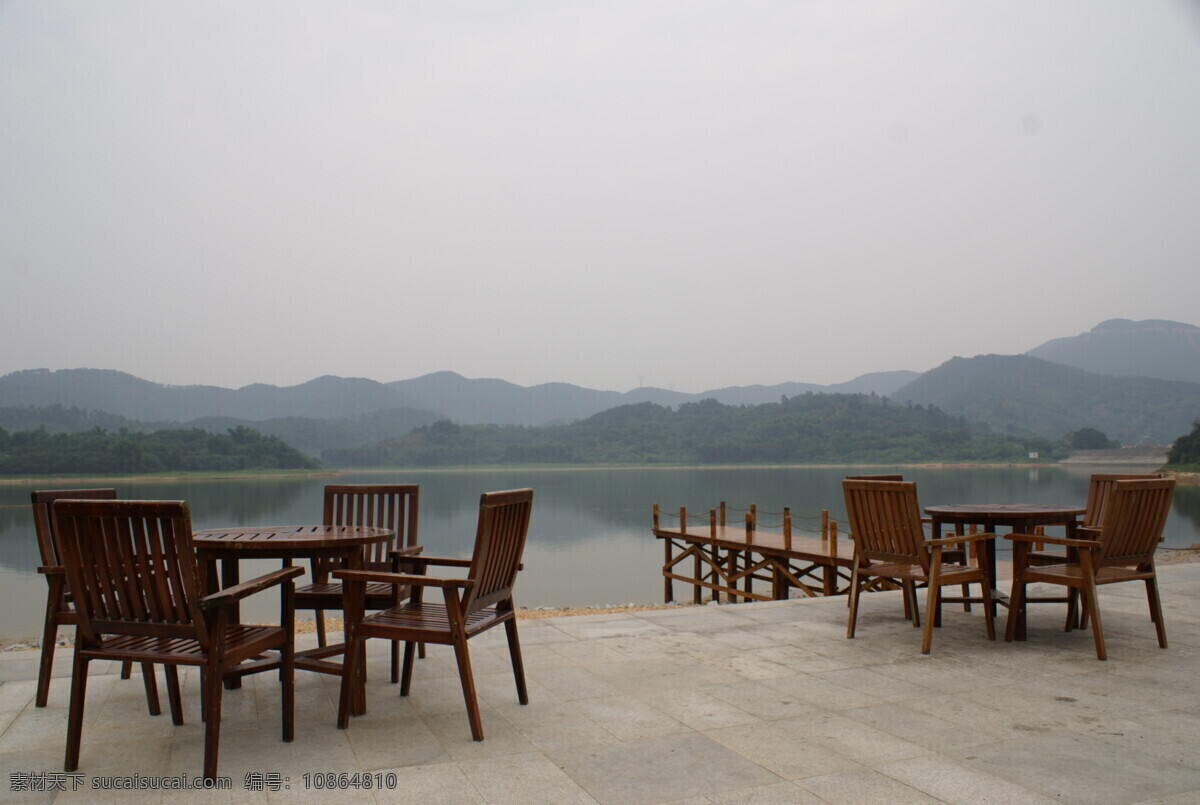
(1019, 394)
(1167, 350)
(447, 394)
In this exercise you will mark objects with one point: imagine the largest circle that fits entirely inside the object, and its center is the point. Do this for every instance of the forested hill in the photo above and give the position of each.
(807, 428)
(43, 453)
(1020, 394)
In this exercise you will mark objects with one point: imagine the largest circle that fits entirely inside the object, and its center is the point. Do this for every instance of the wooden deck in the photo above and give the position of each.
(729, 560)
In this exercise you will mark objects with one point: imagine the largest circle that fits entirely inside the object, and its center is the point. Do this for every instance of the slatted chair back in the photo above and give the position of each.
(875, 477)
(391, 506)
(885, 521)
(1135, 514)
(132, 568)
(1099, 487)
(43, 518)
(499, 543)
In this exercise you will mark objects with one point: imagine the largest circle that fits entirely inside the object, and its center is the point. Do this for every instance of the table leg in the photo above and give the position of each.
(231, 575)
(989, 556)
(353, 591)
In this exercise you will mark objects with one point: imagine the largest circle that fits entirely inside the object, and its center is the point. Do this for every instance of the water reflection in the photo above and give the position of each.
(589, 539)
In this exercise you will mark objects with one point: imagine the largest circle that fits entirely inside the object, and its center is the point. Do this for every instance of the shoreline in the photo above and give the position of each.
(252, 475)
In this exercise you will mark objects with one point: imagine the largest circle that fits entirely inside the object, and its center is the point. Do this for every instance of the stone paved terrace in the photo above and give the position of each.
(756, 703)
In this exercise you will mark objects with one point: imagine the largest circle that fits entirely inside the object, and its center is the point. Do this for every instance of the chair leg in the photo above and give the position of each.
(349, 673)
(988, 609)
(910, 590)
(1088, 599)
(151, 683)
(931, 604)
(126, 669)
(406, 671)
(1156, 611)
(395, 661)
(211, 681)
(49, 637)
(75, 715)
(462, 655)
(421, 650)
(855, 590)
(319, 618)
(287, 681)
(171, 672)
(1016, 607)
(514, 650)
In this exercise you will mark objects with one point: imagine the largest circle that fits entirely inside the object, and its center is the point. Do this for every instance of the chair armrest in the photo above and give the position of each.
(959, 539)
(400, 578)
(410, 550)
(237, 592)
(52, 570)
(1070, 543)
(433, 560)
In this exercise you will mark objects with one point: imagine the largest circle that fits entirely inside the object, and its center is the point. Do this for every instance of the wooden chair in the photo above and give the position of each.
(952, 554)
(1123, 550)
(387, 506)
(1099, 487)
(470, 605)
(885, 523)
(59, 610)
(138, 592)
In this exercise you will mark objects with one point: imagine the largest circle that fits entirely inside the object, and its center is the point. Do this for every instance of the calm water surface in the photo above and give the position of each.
(589, 540)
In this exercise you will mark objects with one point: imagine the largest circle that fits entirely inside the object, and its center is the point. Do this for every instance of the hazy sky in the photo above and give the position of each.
(681, 194)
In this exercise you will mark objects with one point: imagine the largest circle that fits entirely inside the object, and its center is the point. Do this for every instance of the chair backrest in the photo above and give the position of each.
(43, 519)
(874, 477)
(1135, 514)
(390, 506)
(1098, 490)
(499, 543)
(132, 568)
(885, 521)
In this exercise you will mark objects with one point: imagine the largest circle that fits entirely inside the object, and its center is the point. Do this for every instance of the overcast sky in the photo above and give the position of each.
(681, 194)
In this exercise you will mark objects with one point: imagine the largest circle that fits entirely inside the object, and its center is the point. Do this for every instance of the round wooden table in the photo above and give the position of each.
(289, 542)
(1020, 517)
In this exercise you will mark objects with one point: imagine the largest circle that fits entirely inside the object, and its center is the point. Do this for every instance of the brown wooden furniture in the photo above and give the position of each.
(1017, 516)
(1099, 487)
(390, 506)
(470, 605)
(885, 523)
(59, 609)
(138, 591)
(1123, 550)
(341, 543)
(953, 554)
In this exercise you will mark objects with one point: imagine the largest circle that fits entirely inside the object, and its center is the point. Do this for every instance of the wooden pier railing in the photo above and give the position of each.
(728, 559)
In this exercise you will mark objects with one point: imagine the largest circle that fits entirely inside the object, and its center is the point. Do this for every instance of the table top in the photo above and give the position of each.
(1003, 512)
(287, 538)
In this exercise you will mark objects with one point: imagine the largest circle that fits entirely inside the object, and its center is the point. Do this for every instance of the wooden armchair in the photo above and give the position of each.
(386, 506)
(885, 523)
(470, 605)
(1122, 550)
(1099, 488)
(59, 609)
(138, 591)
(952, 554)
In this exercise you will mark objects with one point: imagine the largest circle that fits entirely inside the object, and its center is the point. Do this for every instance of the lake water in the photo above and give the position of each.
(589, 540)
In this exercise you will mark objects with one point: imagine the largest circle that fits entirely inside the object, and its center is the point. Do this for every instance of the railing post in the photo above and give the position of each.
(714, 553)
(824, 523)
(655, 516)
(683, 519)
(722, 511)
(787, 528)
